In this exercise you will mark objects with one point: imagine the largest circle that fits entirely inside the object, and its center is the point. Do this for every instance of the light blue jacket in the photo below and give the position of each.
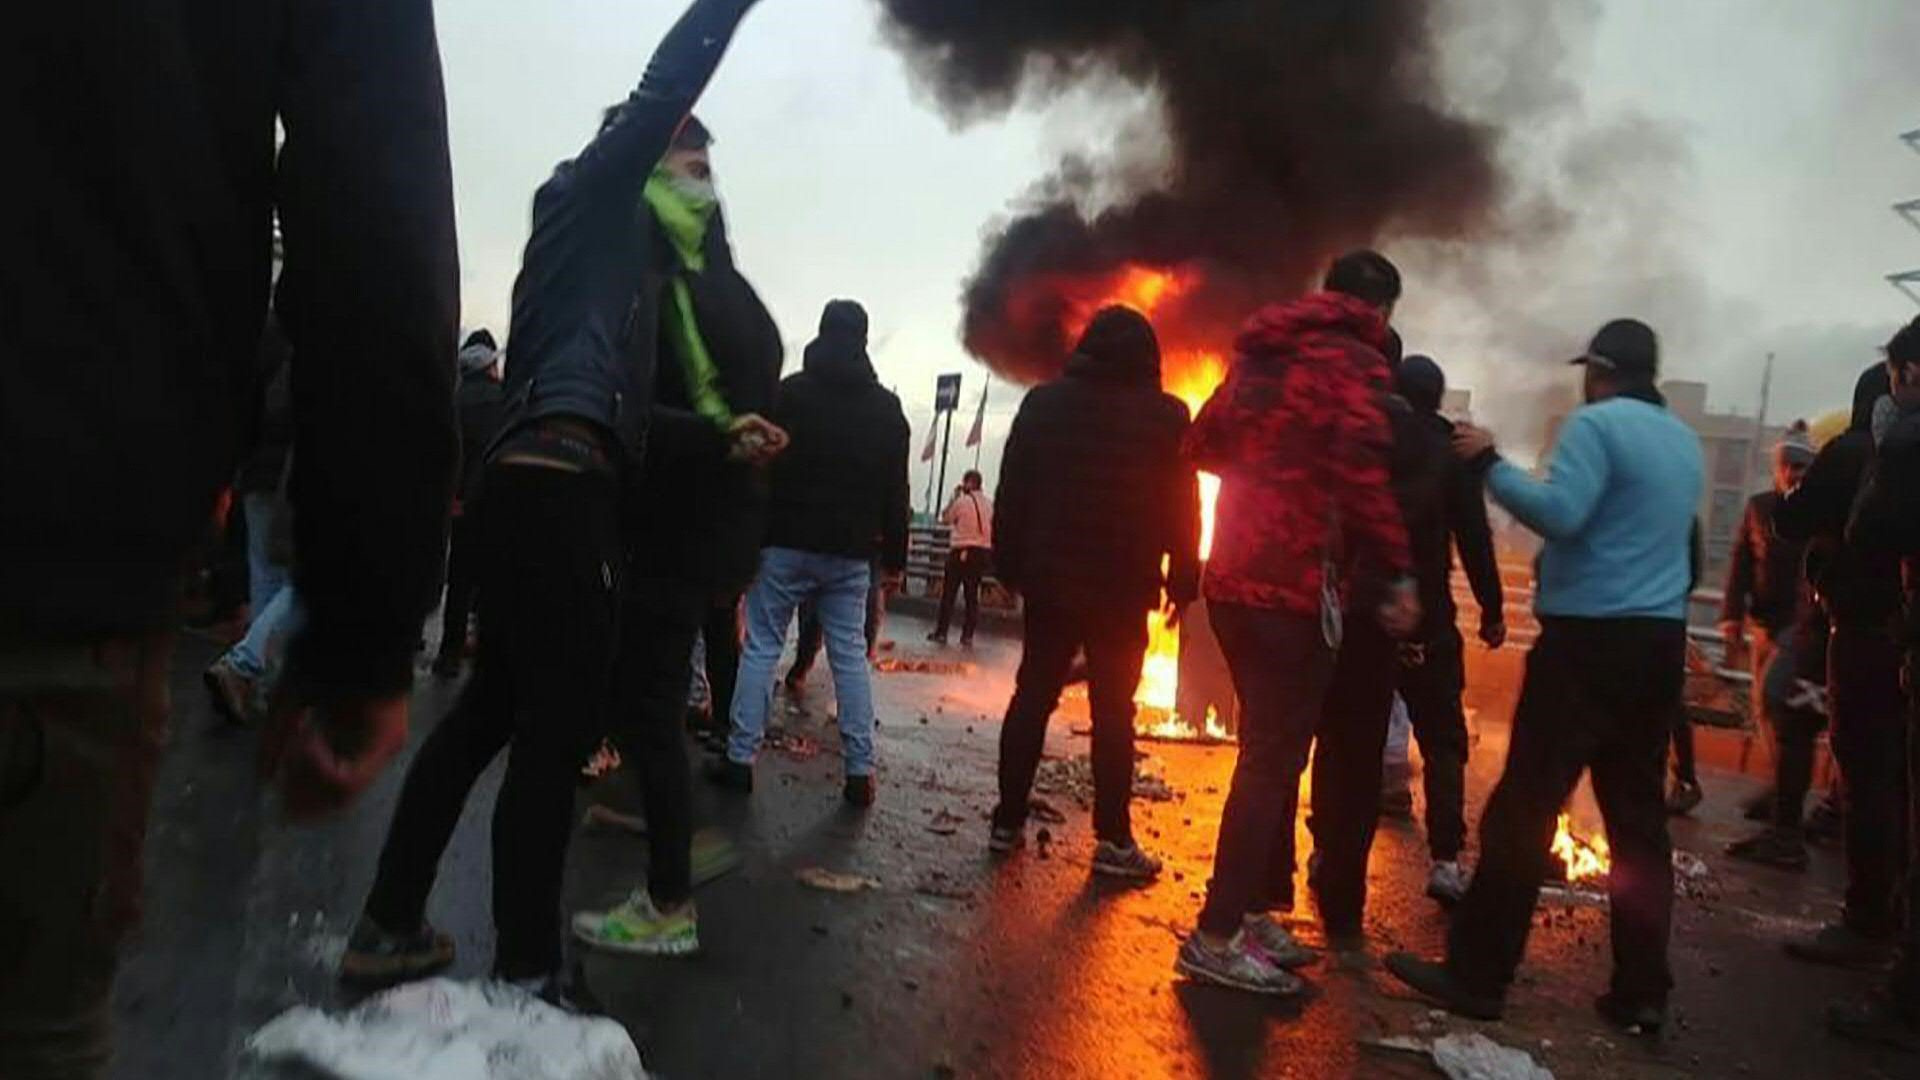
(1617, 511)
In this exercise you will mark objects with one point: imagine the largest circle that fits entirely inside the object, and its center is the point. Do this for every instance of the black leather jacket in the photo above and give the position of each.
(585, 307)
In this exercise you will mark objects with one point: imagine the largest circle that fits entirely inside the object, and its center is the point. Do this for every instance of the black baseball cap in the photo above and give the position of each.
(1627, 348)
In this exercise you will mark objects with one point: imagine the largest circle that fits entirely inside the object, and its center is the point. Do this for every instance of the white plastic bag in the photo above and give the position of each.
(442, 1030)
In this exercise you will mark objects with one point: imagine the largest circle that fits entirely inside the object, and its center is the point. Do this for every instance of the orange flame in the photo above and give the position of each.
(1585, 860)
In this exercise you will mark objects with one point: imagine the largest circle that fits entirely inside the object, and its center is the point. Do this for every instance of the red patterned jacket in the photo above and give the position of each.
(1301, 444)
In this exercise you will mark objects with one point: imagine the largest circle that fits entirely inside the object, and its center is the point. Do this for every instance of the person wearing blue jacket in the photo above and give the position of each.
(1616, 512)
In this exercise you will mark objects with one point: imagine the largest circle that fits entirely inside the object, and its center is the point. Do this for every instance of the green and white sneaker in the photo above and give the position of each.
(638, 928)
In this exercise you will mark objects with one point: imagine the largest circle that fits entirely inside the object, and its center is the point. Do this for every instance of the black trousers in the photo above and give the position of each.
(1600, 695)
(721, 635)
(1281, 669)
(463, 571)
(1869, 743)
(1348, 746)
(1796, 730)
(1115, 641)
(1905, 986)
(965, 567)
(652, 678)
(1432, 679)
(1685, 766)
(539, 685)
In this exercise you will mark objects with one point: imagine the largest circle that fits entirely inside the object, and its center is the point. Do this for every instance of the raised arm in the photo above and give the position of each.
(636, 136)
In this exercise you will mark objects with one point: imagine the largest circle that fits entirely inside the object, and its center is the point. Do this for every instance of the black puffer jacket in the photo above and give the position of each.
(841, 487)
(696, 516)
(1886, 520)
(1859, 588)
(1094, 493)
(586, 304)
(483, 411)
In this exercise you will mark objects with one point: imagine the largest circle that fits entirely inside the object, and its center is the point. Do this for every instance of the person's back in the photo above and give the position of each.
(147, 174)
(841, 487)
(1627, 555)
(1094, 495)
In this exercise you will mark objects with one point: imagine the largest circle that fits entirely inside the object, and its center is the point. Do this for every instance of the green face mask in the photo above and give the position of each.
(684, 207)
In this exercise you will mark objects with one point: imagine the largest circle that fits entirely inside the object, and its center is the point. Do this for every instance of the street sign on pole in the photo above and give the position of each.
(946, 397)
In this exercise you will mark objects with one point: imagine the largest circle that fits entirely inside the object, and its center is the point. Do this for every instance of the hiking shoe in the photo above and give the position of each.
(1642, 1019)
(1277, 942)
(1129, 862)
(1684, 797)
(1447, 882)
(375, 959)
(233, 692)
(860, 791)
(1760, 807)
(1771, 848)
(1436, 983)
(1005, 840)
(730, 774)
(1840, 945)
(1874, 1020)
(1240, 965)
(638, 928)
(1397, 805)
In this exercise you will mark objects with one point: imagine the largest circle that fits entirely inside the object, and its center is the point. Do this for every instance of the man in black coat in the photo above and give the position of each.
(1886, 520)
(693, 526)
(1098, 519)
(1433, 666)
(1859, 588)
(588, 311)
(839, 502)
(135, 262)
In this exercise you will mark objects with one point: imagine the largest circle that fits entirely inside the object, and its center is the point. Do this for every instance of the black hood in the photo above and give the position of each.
(1867, 392)
(1421, 382)
(1119, 344)
(839, 354)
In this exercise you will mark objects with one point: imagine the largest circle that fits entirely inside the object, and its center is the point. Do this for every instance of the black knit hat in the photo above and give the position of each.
(1421, 382)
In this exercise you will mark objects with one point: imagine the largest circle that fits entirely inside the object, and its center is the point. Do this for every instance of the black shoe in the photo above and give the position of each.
(1685, 796)
(1006, 839)
(1772, 848)
(1760, 807)
(966, 641)
(730, 774)
(1839, 945)
(938, 637)
(1875, 1020)
(1825, 822)
(859, 791)
(376, 959)
(1436, 983)
(1630, 1018)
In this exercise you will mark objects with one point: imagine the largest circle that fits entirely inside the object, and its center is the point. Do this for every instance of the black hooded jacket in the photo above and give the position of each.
(841, 487)
(1094, 494)
(1858, 587)
(1442, 500)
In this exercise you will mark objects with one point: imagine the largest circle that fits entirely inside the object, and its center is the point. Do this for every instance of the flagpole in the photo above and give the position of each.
(980, 425)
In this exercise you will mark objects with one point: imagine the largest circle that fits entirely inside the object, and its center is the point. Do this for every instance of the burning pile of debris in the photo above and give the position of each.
(1073, 778)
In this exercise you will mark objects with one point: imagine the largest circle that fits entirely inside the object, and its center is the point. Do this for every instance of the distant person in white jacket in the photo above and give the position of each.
(970, 517)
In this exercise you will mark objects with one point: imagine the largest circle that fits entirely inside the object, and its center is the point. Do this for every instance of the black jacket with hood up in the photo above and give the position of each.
(1858, 587)
(1094, 493)
(1443, 501)
(841, 487)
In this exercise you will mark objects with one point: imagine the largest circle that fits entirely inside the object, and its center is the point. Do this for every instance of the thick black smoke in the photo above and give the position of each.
(1293, 129)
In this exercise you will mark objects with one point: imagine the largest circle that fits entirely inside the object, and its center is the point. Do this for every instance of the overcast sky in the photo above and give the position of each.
(1782, 118)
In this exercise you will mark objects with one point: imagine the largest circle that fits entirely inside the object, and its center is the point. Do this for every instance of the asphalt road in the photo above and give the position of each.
(956, 965)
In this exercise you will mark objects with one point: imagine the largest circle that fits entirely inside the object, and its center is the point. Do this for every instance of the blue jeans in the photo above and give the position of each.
(839, 586)
(266, 641)
(265, 577)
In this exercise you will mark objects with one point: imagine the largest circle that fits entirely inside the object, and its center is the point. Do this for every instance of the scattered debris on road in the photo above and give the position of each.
(1073, 777)
(920, 665)
(792, 744)
(829, 881)
(1468, 1056)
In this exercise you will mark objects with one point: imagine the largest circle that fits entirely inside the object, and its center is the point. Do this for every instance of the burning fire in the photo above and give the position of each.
(1585, 860)
(1192, 377)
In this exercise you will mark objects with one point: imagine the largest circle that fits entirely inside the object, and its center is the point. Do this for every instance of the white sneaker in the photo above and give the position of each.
(1447, 882)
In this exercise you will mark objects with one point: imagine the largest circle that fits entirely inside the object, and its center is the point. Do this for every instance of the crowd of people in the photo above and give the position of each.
(601, 502)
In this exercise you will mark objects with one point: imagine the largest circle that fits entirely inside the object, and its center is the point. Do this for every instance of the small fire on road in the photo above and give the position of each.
(1585, 860)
